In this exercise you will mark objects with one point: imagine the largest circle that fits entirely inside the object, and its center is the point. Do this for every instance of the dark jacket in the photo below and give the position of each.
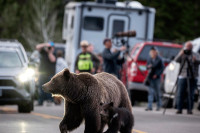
(46, 67)
(110, 61)
(194, 65)
(157, 67)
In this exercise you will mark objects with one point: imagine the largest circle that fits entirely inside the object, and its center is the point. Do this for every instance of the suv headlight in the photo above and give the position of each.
(26, 75)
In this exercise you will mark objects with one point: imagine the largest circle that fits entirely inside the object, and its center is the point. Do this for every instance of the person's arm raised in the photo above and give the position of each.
(40, 46)
(51, 56)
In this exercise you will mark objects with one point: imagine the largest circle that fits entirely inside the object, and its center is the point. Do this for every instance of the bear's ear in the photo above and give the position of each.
(66, 73)
(111, 104)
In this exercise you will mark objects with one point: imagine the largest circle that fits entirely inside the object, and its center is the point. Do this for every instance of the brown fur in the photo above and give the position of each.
(83, 93)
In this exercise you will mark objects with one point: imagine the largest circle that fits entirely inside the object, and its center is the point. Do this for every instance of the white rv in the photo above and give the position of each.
(94, 21)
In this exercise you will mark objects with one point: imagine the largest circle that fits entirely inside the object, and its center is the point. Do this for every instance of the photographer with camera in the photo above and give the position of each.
(187, 79)
(46, 69)
(155, 66)
(110, 59)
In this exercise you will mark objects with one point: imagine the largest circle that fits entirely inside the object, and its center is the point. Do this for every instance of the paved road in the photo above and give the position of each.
(46, 120)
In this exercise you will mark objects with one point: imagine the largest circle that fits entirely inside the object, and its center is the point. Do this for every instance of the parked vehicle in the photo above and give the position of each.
(135, 73)
(171, 75)
(17, 84)
(94, 21)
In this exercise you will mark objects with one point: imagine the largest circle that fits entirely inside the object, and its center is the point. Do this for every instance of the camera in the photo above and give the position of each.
(187, 52)
(49, 48)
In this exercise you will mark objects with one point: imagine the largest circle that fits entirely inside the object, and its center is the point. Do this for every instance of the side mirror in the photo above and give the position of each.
(172, 58)
(31, 65)
(143, 68)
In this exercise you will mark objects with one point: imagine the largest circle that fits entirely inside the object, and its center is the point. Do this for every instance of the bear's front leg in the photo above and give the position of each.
(92, 121)
(72, 118)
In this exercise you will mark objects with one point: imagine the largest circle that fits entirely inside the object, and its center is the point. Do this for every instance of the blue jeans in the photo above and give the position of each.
(42, 95)
(182, 91)
(154, 91)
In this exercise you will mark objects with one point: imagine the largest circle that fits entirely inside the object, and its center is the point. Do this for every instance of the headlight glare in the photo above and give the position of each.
(26, 75)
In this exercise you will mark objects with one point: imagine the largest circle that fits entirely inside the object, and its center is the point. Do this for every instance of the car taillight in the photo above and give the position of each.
(133, 69)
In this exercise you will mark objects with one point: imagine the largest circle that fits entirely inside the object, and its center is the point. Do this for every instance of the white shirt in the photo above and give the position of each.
(60, 64)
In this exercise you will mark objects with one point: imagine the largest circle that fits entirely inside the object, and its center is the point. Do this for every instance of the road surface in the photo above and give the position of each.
(46, 119)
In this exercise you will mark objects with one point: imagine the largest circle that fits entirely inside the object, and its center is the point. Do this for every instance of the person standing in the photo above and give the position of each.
(95, 60)
(110, 58)
(155, 66)
(189, 62)
(60, 61)
(46, 69)
(84, 60)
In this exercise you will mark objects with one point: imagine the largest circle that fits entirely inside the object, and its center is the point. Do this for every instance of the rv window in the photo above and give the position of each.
(65, 21)
(72, 22)
(93, 23)
(118, 26)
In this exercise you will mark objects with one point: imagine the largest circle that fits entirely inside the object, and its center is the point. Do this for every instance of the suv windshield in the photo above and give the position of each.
(167, 53)
(9, 59)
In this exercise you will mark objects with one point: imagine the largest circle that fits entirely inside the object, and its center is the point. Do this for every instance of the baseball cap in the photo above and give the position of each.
(51, 43)
(84, 43)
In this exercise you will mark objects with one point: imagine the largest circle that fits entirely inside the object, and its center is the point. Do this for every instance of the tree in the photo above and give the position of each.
(43, 23)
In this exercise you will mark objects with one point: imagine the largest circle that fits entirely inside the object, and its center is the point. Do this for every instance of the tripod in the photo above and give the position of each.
(189, 78)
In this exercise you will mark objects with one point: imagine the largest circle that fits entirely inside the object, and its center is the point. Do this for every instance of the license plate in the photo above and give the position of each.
(0, 92)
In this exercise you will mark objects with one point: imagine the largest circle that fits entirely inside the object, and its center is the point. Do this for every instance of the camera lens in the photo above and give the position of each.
(187, 52)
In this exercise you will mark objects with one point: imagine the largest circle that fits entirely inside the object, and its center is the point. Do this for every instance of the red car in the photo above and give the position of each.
(134, 71)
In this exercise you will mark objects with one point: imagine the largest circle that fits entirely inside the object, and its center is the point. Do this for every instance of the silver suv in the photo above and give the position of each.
(17, 83)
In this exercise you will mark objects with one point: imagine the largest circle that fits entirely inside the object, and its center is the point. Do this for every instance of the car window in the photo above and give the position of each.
(93, 23)
(136, 51)
(9, 59)
(167, 53)
(22, 53)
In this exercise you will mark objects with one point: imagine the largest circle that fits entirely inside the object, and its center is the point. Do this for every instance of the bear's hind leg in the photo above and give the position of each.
(72, 119)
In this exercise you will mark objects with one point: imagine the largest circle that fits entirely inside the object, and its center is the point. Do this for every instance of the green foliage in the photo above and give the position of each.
(175, 20)
(18, 20)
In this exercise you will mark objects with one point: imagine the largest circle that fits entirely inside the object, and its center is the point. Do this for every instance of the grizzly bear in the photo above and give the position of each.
(118, 119)
(82, 94)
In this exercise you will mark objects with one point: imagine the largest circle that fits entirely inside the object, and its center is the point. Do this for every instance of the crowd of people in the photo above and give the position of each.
(86, 61)
(110, 61)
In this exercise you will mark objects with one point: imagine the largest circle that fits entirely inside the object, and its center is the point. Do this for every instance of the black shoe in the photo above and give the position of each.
(199, 107)
(148, 109)
(189, 112)
(178, 112)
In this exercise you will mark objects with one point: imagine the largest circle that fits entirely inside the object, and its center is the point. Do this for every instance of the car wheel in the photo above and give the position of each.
(132, 97)
(32, 104)
(25, 107)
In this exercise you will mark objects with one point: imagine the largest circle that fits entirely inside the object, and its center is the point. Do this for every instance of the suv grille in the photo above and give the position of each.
(7, 83)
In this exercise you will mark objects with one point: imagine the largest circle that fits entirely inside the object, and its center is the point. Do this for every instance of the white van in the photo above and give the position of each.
(94, 21)
(171, 75)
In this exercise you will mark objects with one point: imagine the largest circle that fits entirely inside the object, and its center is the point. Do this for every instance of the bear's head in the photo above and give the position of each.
(58, 83)
(106, 110)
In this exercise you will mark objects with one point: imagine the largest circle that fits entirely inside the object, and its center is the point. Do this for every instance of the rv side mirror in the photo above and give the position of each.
(172, 58)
